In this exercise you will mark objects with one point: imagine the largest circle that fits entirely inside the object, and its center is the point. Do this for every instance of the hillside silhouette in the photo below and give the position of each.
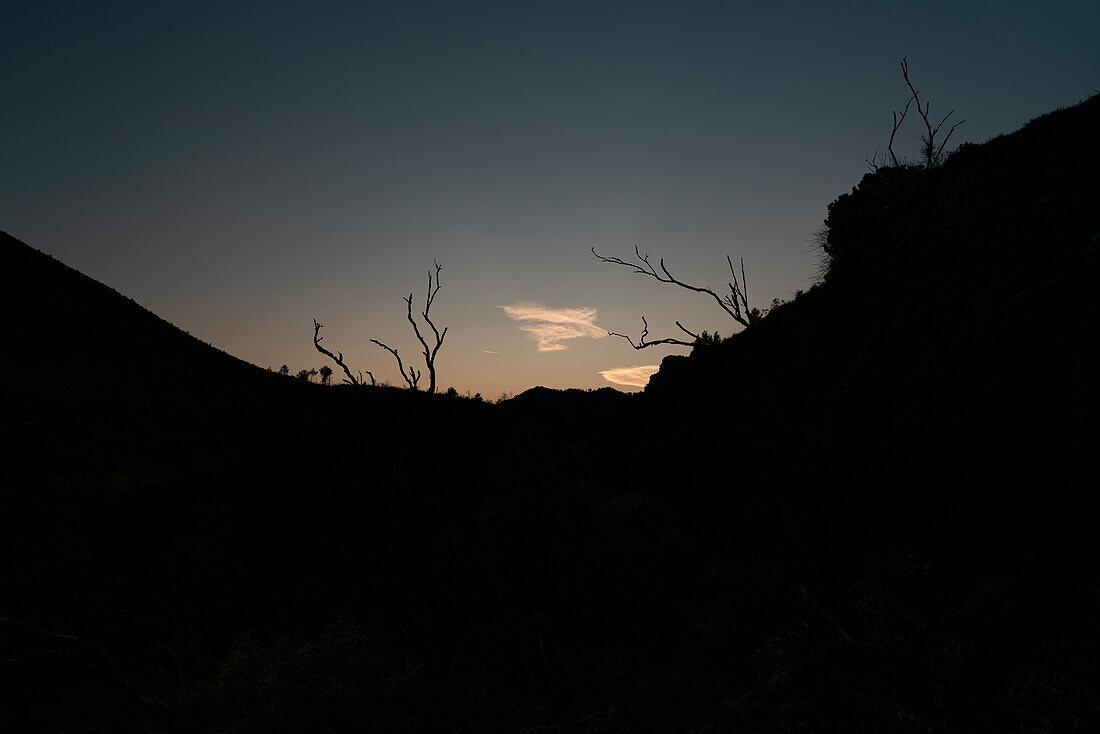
(870, 511)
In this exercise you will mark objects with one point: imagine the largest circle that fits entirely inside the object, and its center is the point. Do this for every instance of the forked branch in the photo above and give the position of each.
(898, 119)
(429, 352)
(642, 343)
(411, 375)
(933, 154)
(338, 358)
(875, 162)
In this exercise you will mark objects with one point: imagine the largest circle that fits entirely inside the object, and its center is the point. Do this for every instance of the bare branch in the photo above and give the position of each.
(429, 358)
(932, 155)
(738, 299)
(338, 358)
(744, 284)
(642, 343)
(872, 161)
(430, 352)
(897, 122)
(735, 304)
(411, 375)
(682, 328)
(939, 153)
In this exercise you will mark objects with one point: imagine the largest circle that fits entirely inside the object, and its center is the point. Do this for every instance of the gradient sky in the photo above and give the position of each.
(240, 172)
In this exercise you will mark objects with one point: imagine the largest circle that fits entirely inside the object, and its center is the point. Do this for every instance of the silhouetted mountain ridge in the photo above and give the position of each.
(70, 322)
(867, 512)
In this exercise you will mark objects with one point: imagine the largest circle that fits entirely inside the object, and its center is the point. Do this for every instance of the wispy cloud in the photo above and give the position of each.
(490, 351)
(632, 376)
(550, 327)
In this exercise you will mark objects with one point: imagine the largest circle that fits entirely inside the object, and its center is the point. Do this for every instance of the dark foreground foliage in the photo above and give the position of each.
(868, 511)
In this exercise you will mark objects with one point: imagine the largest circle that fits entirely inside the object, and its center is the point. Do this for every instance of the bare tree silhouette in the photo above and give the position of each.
(410, 374)
(735, 304)
(931, 154)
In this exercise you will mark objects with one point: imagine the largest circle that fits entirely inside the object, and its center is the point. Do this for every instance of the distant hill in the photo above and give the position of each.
(61, 320)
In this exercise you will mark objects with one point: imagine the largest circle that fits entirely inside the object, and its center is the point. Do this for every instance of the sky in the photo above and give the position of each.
(241, 169)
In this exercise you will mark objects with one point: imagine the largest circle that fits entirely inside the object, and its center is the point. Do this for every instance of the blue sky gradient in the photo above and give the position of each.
(240, 173)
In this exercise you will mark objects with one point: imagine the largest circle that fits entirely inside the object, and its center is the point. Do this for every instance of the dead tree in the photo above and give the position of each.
(735, 304)
(931, 153)
(933, 156)
(411, 374)
(338, 358)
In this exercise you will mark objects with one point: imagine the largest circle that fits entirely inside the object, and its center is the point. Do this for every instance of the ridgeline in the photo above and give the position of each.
(867, 512)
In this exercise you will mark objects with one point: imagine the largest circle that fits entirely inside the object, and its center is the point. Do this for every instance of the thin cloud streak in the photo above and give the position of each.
(631, 376)
(552, 326)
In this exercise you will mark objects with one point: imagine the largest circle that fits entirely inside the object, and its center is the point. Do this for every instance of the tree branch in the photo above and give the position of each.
(939, 153)
(932, 155)
(338, 358)
(429, 359)
(735, 304)
(897, 125)
(412, 376)
(642, 343)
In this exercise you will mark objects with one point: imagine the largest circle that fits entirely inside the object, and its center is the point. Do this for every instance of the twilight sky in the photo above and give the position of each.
(240, 173)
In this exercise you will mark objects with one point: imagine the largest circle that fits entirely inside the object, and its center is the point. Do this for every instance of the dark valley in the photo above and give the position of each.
(870, 511)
